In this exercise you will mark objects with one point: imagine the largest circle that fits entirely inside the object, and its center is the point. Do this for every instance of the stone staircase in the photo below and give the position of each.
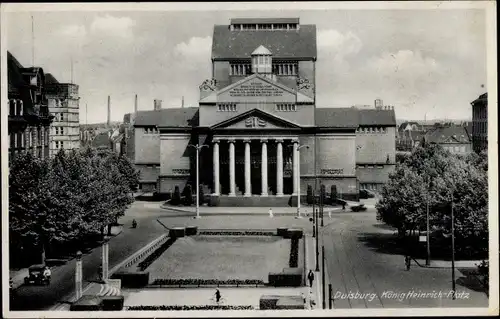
(254, 201)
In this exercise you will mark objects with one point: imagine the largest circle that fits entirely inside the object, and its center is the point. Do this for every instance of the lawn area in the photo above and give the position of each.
(222, 258)
(238, 222)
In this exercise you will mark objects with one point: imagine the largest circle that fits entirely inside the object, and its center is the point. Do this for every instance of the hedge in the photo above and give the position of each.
(294, 253)
(112, 303)
(206, 307)
(204, 282)
(236, 233)
(132, 279)
(177, 232)
(214, 201)
(281, 231)
(289, 277)
(191, 230)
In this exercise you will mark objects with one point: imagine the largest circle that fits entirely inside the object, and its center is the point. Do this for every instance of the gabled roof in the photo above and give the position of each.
(264, 114)
(299, 43)
(448, 134)
(483, 98)
(50, 79)
(377, 117)
(172, 117)
(261, 50)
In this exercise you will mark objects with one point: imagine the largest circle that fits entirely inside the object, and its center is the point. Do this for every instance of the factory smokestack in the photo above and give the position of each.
(109, 110)
(157, 104)
(135, 105)
(182, 102)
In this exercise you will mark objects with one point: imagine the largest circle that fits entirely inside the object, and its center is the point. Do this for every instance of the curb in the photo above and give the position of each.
(458, 264)
(179, 210)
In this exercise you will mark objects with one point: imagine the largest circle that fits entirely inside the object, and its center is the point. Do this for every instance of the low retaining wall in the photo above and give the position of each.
(142, 253)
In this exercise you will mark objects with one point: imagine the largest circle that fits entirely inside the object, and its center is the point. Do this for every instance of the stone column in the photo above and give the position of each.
(279, 168)
(264, 167)
(248, 185)
(232, 181)
(216, 190)
(295, 166)
(42, 142)
(34, 132)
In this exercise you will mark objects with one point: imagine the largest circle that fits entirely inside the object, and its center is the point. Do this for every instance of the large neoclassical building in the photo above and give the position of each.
(260, 125)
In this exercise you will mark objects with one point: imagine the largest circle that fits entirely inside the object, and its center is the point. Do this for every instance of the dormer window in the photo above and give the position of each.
(262, 60)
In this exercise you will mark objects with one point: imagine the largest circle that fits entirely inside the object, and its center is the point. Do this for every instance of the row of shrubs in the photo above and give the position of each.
(294, 253)
(201, 282)
(206, 307)
(288, 277)
(237, 233)
(186, 198)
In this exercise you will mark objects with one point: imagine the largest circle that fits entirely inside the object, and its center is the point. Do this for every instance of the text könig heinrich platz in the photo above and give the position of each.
(258, 108)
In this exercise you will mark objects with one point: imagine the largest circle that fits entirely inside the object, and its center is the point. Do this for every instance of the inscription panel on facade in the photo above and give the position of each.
(332, 171)
(256, 88)
(180, 171)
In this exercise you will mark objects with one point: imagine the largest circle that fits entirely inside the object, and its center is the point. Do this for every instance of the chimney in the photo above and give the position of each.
(157, 104)
(109, 110)
(135, 105)
(182, 105)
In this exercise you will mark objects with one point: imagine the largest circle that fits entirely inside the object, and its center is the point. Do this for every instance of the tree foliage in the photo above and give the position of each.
(67, 197)
(434, 177)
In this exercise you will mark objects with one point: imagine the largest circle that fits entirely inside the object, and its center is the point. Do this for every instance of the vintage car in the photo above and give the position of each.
(36, 277)
(358, 208)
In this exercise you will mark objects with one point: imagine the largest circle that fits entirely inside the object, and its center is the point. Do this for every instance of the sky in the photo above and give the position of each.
(426, 63)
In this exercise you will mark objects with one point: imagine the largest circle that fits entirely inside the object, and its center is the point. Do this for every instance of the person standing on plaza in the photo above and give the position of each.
(271, 212)
(408, 262)
(218, 296)
(310, 276)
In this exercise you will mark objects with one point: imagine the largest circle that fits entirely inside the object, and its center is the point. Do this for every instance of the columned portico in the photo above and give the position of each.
(240, 169)
(248, 185)
(295, 167)
(279, 167)
(264, 167)
(232, 181)
(216, 167)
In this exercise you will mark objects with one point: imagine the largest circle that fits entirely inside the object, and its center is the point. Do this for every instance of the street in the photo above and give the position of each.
(362, 258)
(120, 247)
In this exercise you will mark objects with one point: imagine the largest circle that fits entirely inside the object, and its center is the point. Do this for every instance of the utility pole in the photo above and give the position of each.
(428, 237)
(453, 288)
(198, 148)
(323, 295)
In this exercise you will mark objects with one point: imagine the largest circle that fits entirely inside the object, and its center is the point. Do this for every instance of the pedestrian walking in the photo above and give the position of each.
(271, 213)
(330, 213)
(407, 262)
(311, 299)
(310, 276)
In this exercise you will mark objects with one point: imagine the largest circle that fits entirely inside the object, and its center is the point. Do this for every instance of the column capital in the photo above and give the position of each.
(247, 140)
(263, 140)
(295, 140)
(231, 140)
(216, 140)
(279, 140)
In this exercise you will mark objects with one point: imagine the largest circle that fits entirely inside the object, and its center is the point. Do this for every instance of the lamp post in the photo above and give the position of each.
(298, 176)
(453, 288)
(78, 275)
(198, 148)
(428, 238)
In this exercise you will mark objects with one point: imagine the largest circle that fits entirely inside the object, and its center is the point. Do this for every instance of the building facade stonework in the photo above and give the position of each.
(63, 101)
(258, 118)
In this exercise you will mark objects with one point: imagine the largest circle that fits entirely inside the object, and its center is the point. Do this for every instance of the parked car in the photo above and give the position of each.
(358, 208)
(364, 194)
(35, 276)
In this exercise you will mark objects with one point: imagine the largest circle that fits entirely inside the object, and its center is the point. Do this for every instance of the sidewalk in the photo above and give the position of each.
(447, 264)
(316, 287)
(277, 211)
